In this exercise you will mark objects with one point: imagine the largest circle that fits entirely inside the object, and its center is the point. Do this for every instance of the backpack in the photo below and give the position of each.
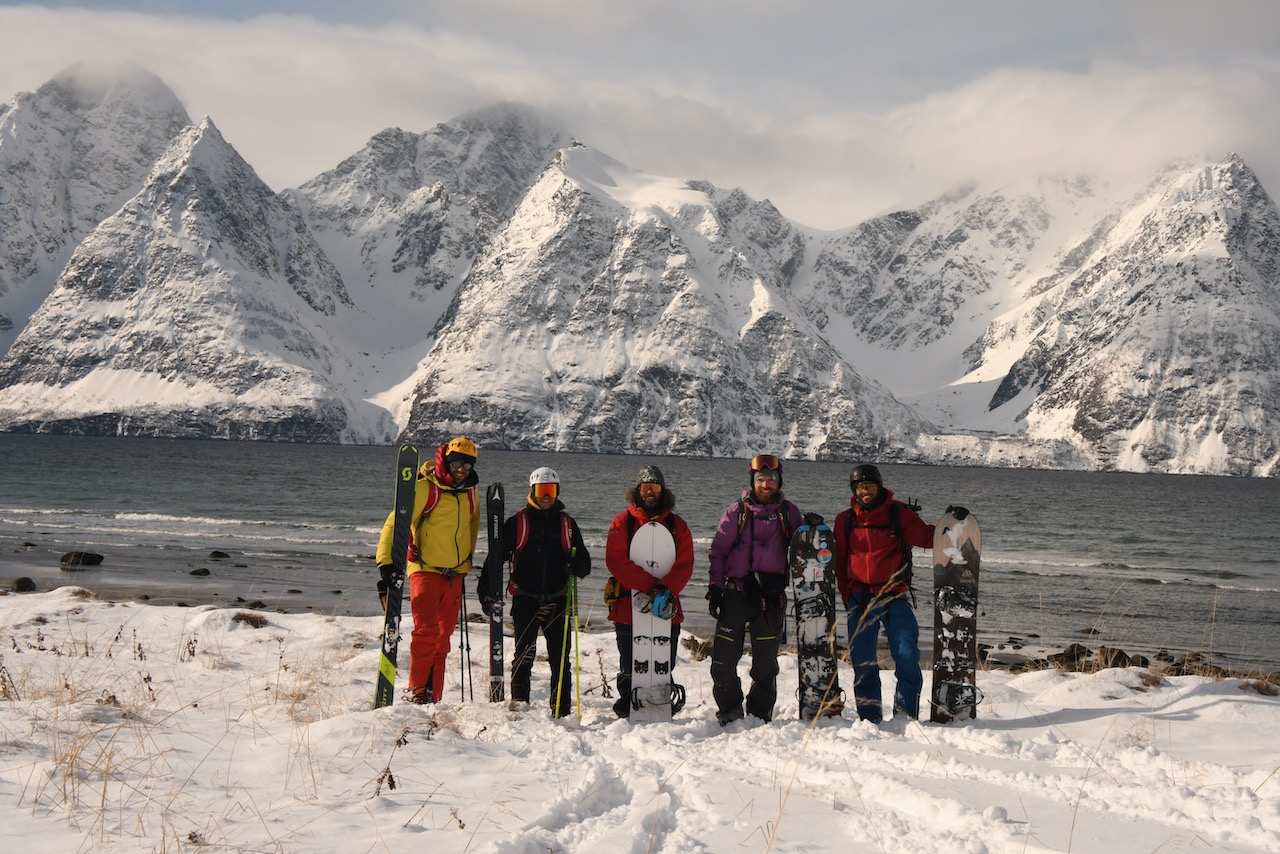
(522, 540)
(433, 498)
(904, 573)
(782, 520)
(522, 533)
(632, 524)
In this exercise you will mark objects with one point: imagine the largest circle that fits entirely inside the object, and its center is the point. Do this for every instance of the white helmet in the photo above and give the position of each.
(543, 475)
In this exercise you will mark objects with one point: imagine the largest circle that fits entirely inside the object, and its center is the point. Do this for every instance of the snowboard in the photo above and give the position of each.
(406, 483)
(813, 592)
(957, 548)
(494, 505)
(652, 691)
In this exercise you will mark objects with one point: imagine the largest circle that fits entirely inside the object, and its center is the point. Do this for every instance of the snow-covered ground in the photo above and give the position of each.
(128, 727)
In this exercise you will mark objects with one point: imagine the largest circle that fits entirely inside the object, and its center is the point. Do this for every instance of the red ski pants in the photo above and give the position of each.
(434, 601)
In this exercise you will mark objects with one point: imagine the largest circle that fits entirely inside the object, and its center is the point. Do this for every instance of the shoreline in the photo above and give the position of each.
(1011, 654)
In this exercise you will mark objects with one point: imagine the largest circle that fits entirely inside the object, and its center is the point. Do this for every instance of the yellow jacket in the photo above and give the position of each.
(444, 538)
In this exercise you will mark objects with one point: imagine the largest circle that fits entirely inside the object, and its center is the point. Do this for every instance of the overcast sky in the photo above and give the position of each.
(834, 109)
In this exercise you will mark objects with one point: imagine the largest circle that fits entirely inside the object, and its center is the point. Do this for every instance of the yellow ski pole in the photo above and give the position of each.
(577, 656)
(564, 653)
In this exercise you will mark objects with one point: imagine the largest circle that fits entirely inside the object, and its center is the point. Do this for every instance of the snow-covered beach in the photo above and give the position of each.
(132, 727)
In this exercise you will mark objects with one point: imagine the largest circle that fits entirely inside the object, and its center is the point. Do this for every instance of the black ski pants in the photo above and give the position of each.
(742, 611)
(528, 617)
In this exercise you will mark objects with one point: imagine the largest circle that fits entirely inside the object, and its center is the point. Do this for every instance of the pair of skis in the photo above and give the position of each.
(405, 487)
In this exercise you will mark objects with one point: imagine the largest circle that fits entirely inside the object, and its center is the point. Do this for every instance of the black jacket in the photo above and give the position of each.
(541, 569)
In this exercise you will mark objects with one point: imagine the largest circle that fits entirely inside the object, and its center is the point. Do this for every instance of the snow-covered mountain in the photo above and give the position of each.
(621, 312)
(404, 219)
(196, 310)
(490, 276)
(71, 153)
(1156, 342)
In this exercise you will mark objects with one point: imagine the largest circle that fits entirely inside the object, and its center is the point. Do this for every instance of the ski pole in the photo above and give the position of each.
(564, 641)
(466, 649)
(577, 653)
(563, 664)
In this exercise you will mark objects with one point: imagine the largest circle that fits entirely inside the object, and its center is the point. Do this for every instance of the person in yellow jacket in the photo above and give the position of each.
(446, 523)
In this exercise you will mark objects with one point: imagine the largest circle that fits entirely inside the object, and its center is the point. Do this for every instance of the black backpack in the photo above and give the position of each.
(905, 573)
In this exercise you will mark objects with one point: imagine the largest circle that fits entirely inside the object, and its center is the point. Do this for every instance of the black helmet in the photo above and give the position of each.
(764, 462)
(865, 472)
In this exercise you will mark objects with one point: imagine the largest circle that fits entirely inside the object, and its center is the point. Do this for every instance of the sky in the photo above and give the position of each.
(834, 110)
(139, 728)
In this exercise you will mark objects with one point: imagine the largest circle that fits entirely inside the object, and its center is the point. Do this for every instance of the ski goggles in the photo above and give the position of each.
(546, 490)
(765, 462)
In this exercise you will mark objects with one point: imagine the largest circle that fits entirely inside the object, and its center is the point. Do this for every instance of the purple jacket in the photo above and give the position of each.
(762, 546)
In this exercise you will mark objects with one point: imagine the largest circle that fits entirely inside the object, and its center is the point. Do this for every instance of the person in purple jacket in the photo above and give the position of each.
(748, 591)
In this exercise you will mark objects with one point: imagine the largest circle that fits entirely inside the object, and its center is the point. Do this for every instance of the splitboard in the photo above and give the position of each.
(652, 691)
(957, 548)
(813, 591)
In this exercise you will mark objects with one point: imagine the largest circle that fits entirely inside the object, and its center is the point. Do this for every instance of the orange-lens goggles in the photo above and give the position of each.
(765, 462)
(546, 490)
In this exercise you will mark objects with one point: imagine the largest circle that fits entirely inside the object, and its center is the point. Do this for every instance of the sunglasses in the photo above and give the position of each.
(546, 490)
(765, 461)
(461, 464)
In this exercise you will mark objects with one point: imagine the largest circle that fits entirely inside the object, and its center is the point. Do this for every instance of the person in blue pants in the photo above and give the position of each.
(874, 538)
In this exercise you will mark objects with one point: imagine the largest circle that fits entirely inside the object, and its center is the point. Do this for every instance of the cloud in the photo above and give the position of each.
(834, 111)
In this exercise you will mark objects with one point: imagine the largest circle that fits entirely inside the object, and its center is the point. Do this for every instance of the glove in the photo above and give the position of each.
(715, 600)
(813, 520)
(486, 604)
(388, 573)
(662, 602)
(959, 512)
(385, 583)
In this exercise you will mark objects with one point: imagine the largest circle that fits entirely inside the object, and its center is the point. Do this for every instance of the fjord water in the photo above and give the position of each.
(1138, 562)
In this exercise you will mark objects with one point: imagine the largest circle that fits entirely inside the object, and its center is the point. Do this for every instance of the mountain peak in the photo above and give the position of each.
(86, 86)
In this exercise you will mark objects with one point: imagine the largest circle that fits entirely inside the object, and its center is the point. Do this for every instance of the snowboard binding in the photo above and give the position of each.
(674, 697)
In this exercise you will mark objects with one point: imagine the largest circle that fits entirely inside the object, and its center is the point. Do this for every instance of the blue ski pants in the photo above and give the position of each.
(867, 613)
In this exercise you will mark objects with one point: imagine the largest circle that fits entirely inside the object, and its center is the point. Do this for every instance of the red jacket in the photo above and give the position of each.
(867, 552)
(631, 575)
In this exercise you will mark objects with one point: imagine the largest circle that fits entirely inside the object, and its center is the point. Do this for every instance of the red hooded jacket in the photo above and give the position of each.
(867, 552)
(633, 576)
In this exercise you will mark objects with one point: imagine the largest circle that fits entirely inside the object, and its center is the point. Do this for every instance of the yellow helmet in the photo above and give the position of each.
(461, 445)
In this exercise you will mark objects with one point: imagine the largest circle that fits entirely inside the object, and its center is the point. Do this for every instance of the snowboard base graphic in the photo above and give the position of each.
(957, 550)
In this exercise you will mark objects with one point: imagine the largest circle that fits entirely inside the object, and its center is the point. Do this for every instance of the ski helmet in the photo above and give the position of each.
(461, 445)
(863, 473)
(544, 482)
(543, 475)
(764, 462)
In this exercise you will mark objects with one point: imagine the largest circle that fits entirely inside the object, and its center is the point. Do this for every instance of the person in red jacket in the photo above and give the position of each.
(648, 501)
(874, 538)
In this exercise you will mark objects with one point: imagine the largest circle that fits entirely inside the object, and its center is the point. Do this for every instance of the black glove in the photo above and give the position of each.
(388, 573)
(715, 600)
(486, 604)
(813, 520)
(959, 512)
(580, 569)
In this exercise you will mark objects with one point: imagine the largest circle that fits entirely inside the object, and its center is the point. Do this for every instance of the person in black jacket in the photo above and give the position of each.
(544, 546)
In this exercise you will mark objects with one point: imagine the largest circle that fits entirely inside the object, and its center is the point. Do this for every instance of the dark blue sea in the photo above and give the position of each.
(1139, 562)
